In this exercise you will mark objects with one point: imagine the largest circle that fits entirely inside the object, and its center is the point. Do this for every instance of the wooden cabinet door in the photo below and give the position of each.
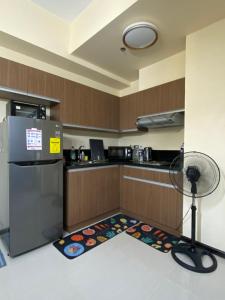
(17, 76)
(70, 106)
(172, 95)
(3, 71)
(128, 111)
(36, 81)
(91, 193)
(54, 86)
(157, 204)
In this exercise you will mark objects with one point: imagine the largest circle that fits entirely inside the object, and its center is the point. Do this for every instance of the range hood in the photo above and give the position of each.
(167, 119)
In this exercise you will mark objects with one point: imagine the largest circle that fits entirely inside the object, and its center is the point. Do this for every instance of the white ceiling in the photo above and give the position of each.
(67, 10)
(175, 19)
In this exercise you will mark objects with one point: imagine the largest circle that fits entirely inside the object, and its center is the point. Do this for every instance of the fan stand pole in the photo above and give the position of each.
(193, 220)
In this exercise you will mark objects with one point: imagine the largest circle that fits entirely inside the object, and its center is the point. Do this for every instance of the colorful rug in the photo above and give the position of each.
(2, 260)
(88, 238)
(153, 237)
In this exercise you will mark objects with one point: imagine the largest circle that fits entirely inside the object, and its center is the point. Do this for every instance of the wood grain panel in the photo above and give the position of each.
(17, 76)
(36, 81)
(90, 193)
(161, 206)
(147, 174)
(3, 71)
(54, 87)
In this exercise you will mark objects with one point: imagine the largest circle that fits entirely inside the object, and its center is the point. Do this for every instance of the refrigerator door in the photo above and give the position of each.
(33, 139)
(35, 206)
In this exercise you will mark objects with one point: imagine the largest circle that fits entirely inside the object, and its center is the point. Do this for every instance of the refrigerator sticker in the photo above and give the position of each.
(34, 139)
(54, 145)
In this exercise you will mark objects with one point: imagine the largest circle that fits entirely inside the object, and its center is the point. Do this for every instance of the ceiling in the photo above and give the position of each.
(89, 45)
(67, 10)
(174, 19)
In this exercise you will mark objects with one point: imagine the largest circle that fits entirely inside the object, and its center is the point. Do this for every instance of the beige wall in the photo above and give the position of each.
(76, 138)
(205, 121)
(169, 69)
(159, 139)
(166, 70)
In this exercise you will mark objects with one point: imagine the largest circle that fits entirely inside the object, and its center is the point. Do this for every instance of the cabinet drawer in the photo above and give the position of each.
(158, 175)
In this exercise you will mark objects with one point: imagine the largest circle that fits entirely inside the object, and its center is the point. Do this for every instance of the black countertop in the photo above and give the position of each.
(71, 166)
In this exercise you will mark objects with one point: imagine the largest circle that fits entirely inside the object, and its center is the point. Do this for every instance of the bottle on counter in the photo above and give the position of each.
(73, 154)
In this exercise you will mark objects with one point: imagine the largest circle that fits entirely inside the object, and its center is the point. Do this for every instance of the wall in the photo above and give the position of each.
(160, 139)
(205, 121)
(76, 138)
(169, 69)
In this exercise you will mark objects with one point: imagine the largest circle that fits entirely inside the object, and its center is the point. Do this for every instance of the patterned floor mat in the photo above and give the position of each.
(88, 238)
(153, 237)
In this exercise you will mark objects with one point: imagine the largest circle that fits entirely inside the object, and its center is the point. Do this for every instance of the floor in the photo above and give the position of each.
(121, 268)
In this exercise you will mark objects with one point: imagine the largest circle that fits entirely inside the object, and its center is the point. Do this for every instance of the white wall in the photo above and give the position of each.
(205, 121)
(166, 70)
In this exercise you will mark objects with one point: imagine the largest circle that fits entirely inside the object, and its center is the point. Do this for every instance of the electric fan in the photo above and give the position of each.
(195, 175)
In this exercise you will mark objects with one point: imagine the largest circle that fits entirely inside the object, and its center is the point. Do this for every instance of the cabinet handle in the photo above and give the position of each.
(167, 185)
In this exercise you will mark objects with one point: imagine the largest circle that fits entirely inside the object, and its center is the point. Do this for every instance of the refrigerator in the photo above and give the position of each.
(31, 183)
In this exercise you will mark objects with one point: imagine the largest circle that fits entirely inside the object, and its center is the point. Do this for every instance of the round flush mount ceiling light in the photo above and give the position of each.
(140, 35)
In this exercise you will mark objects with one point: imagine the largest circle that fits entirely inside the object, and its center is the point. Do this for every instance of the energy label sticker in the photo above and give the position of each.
(34, 139)
(54, 145)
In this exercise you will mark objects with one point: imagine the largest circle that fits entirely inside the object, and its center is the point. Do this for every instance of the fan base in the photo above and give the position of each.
(195, 254)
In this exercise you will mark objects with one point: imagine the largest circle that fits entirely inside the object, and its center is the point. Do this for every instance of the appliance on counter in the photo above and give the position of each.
(119, 153)
(97, 150)
(20, 109)
(31, 185)
(147, 154)
(166, 119)
(135, 153)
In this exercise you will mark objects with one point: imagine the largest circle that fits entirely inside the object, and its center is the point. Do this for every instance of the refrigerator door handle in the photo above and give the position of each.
(37, 163)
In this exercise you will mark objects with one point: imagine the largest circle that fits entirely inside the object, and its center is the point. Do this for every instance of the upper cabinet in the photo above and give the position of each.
(3, 72)
(87, 107)
(166, 97)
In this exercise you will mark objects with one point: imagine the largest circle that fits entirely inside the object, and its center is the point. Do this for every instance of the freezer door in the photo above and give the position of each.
(33, 139)
(35, 206)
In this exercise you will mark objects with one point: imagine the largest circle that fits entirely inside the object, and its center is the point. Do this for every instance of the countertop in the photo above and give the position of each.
(70, 166)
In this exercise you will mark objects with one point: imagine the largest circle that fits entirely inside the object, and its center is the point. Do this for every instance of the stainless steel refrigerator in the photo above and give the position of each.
(31, 183)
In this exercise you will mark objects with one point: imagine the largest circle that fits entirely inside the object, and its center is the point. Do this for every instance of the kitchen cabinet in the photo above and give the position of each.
(166, 97)
(148, 195)
(90, 193)
(17, 76)
(3, 71)
(36, 81)
(86, 107)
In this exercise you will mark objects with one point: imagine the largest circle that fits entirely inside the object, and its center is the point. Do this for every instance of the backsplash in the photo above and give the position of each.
(77, 138)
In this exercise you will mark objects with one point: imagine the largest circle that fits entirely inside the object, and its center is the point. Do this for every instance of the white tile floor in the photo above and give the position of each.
(121, 268)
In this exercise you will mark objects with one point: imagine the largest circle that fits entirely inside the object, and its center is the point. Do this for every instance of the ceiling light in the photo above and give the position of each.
(140, 35)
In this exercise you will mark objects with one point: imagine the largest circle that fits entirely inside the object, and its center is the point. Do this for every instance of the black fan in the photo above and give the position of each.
(195, 175)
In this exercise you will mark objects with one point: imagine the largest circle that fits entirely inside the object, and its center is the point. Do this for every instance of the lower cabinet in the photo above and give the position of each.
(89, 193)
(149, 196)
